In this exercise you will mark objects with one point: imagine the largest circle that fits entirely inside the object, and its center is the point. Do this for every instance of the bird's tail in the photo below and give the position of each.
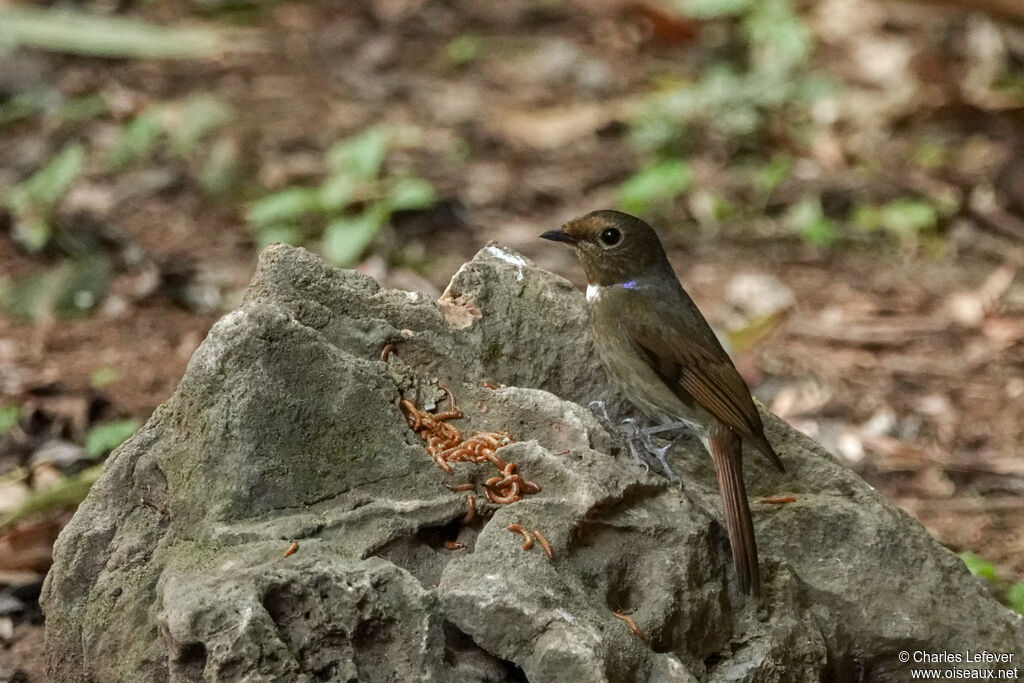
(726, 451)
(762, 444)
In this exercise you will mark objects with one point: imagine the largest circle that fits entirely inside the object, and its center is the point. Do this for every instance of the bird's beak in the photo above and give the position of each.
(559, 236)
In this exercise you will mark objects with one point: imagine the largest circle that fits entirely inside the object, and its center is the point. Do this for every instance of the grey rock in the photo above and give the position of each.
(286, 428)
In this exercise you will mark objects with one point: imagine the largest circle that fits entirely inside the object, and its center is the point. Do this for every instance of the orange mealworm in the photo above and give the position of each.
(495, 496)
(291, 549)
(544, 543)
(518, 528)
(495, 460)
(459, 488)
(492, 387)
(565, 452)
(508, 481)
(386, 352)
(471, 512)
(778, 501)
(629, 622)
(530, 487)
(453, 545)
(442, 463)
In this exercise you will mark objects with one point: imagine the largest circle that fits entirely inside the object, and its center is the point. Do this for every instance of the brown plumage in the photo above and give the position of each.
(664, 357)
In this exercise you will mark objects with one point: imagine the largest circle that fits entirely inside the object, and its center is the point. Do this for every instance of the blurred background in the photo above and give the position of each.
(840, 184)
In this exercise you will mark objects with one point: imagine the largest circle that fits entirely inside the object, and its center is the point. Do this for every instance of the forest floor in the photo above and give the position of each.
(902, 352)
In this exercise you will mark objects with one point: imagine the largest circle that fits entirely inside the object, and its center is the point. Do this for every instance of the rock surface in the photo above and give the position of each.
(286, 428)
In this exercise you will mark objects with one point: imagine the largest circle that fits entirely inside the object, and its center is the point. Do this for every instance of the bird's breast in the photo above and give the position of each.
(631, 373)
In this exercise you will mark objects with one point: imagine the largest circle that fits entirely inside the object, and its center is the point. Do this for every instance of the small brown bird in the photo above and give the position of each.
(663, 356)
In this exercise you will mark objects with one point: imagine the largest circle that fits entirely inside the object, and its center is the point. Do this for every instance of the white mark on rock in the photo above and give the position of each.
(593, 291)
(246, 618)
(505, 256)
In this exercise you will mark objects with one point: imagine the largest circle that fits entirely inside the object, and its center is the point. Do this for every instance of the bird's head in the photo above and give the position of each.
(613, 247)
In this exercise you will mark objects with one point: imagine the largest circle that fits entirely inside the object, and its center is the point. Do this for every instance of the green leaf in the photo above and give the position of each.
(107, 35)
(767, 177)
(106, 437)
(780, 39)
(907, 217)
(138, 140)
(463, 50)
(22, 106)
(221, 172)
(65, 493)
(49, 184)
(655, 185)
(710, 9)
(807, 218)
(362, 155)
(337, 191)
(978, 566)
(902, 217)
(1015, 597)
(200, 116)
(411, 193)
(81, 109)
(68, 289)
(33, 232)
(284, 206)
(103, 376)
(9, 414)
(345, 239)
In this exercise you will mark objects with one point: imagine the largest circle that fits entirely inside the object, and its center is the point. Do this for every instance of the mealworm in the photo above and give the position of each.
(629, 622)
(495, 460)
(545, 544)
(386, 352)
(453, 545)
(291, 549)
(518, 528)
(503, 499)
(565, 452)
(459, 488)
(442, 464)
(778, 501)
(508, 481)
(471, 509)
(530, 487)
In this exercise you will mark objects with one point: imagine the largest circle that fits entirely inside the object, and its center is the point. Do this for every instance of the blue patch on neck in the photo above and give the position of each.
(630, 285)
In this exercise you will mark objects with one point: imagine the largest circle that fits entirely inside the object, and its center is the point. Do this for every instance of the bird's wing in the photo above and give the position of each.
(685, 353)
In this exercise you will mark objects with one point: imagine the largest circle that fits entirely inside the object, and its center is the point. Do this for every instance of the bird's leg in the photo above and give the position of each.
(661, 452)
(672, 426)
(641, 444)
(631, 436)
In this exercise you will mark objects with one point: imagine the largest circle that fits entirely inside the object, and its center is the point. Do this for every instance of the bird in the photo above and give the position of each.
(664, 358)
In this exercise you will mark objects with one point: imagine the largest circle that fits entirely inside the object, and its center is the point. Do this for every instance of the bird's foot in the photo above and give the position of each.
(646, 451)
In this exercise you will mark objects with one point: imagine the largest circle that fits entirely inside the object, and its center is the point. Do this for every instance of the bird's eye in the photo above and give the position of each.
(611, 237)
